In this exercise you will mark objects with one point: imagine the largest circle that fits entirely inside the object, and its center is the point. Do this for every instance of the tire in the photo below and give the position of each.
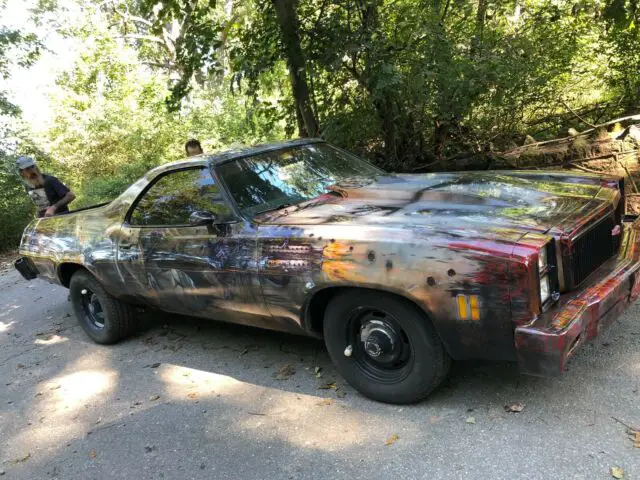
(402, 371)
(105, 319)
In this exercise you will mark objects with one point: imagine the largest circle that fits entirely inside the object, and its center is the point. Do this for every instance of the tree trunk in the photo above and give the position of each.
(476, 42)
(288, 22)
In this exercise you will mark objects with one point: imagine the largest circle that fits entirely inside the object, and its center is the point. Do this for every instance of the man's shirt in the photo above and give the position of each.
(47, 195)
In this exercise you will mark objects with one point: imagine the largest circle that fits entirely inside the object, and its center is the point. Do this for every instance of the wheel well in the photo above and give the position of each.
(66, 271)
(317, 306)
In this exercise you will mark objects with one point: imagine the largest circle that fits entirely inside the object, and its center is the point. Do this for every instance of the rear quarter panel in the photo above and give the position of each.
(86, 238)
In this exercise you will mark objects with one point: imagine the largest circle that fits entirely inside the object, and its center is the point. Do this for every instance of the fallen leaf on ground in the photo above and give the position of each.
(99, 421)
(93, 454)
(341, 394)
(392, 439)
(284, 372)
(617, 472)
(514, 407)
(632, 431)
(154, 398)
(22, 459)
(328, 386)
(192, 395)
(471, 420)
(155, 365)
(326, 401)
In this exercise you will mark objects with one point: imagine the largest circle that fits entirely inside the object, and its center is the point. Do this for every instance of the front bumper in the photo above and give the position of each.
(545, 345)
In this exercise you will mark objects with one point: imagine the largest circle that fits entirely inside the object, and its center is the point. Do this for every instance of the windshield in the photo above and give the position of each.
(286, 177)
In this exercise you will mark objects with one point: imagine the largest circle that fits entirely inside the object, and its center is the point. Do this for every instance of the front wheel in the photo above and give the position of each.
(384, 346)
(104, 318)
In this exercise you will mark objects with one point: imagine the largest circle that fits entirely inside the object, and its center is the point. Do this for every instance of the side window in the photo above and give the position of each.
(175, 196)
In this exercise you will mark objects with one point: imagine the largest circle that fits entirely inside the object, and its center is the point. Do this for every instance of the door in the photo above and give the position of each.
(197, 258)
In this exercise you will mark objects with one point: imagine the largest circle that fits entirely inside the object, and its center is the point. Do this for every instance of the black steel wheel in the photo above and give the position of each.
(384, 346)
(104, 318)
(380, 346)
(92, 308)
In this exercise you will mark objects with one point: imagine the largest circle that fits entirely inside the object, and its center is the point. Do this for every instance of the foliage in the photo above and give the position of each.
(16, 207)
(16, 49)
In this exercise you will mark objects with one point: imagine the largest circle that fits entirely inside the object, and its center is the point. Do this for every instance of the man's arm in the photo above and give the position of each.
(68, 198)
(63, 191)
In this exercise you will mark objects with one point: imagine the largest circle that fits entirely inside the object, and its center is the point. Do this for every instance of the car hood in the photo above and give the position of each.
(515, 202)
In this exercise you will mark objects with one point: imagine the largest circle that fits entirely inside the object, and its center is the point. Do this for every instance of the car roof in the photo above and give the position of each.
(228, 155)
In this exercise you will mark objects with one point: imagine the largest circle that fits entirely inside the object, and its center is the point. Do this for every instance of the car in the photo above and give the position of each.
(399, 274)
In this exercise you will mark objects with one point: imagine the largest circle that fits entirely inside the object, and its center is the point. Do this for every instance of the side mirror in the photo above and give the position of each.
(199, 218)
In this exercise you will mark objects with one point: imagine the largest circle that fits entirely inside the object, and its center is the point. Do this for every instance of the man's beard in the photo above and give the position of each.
(35, 181)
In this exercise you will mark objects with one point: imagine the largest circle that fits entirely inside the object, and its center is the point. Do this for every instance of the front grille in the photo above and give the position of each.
(592, 249)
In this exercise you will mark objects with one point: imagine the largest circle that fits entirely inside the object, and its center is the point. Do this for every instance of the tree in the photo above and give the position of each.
(288, 21)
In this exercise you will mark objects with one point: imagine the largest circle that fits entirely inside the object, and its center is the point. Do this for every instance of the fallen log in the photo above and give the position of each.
(617, 140)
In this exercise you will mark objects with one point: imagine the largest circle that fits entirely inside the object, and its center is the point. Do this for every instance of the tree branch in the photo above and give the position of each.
(135, 18)
(150, 38)
(575, 114)
(446, 10)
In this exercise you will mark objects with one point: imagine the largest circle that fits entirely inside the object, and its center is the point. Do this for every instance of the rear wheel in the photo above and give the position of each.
(104, 318)
(384, 346)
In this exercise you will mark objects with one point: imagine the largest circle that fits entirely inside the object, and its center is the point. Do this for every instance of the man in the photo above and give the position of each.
(48, 193)
(193, 147)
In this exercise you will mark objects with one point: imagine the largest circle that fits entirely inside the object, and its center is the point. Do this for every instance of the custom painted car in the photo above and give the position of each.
(399, 274)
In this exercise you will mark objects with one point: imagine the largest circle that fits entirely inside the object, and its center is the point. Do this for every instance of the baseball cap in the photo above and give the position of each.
(25, 162)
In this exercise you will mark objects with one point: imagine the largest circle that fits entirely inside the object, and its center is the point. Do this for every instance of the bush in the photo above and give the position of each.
(15, 205)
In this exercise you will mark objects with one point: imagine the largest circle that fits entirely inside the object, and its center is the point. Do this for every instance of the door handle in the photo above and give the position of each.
(126, 246)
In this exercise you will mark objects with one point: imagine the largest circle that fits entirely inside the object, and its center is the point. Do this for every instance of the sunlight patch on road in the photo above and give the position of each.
(631, 366)
(75, 389)
(306, 421)
(316, 422)
(52, 340)
(188, 383)
(64, 405)
(9, 310)
(4, 327)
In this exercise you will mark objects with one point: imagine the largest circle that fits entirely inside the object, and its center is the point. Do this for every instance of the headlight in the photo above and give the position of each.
(545, 290)
(542, 259)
